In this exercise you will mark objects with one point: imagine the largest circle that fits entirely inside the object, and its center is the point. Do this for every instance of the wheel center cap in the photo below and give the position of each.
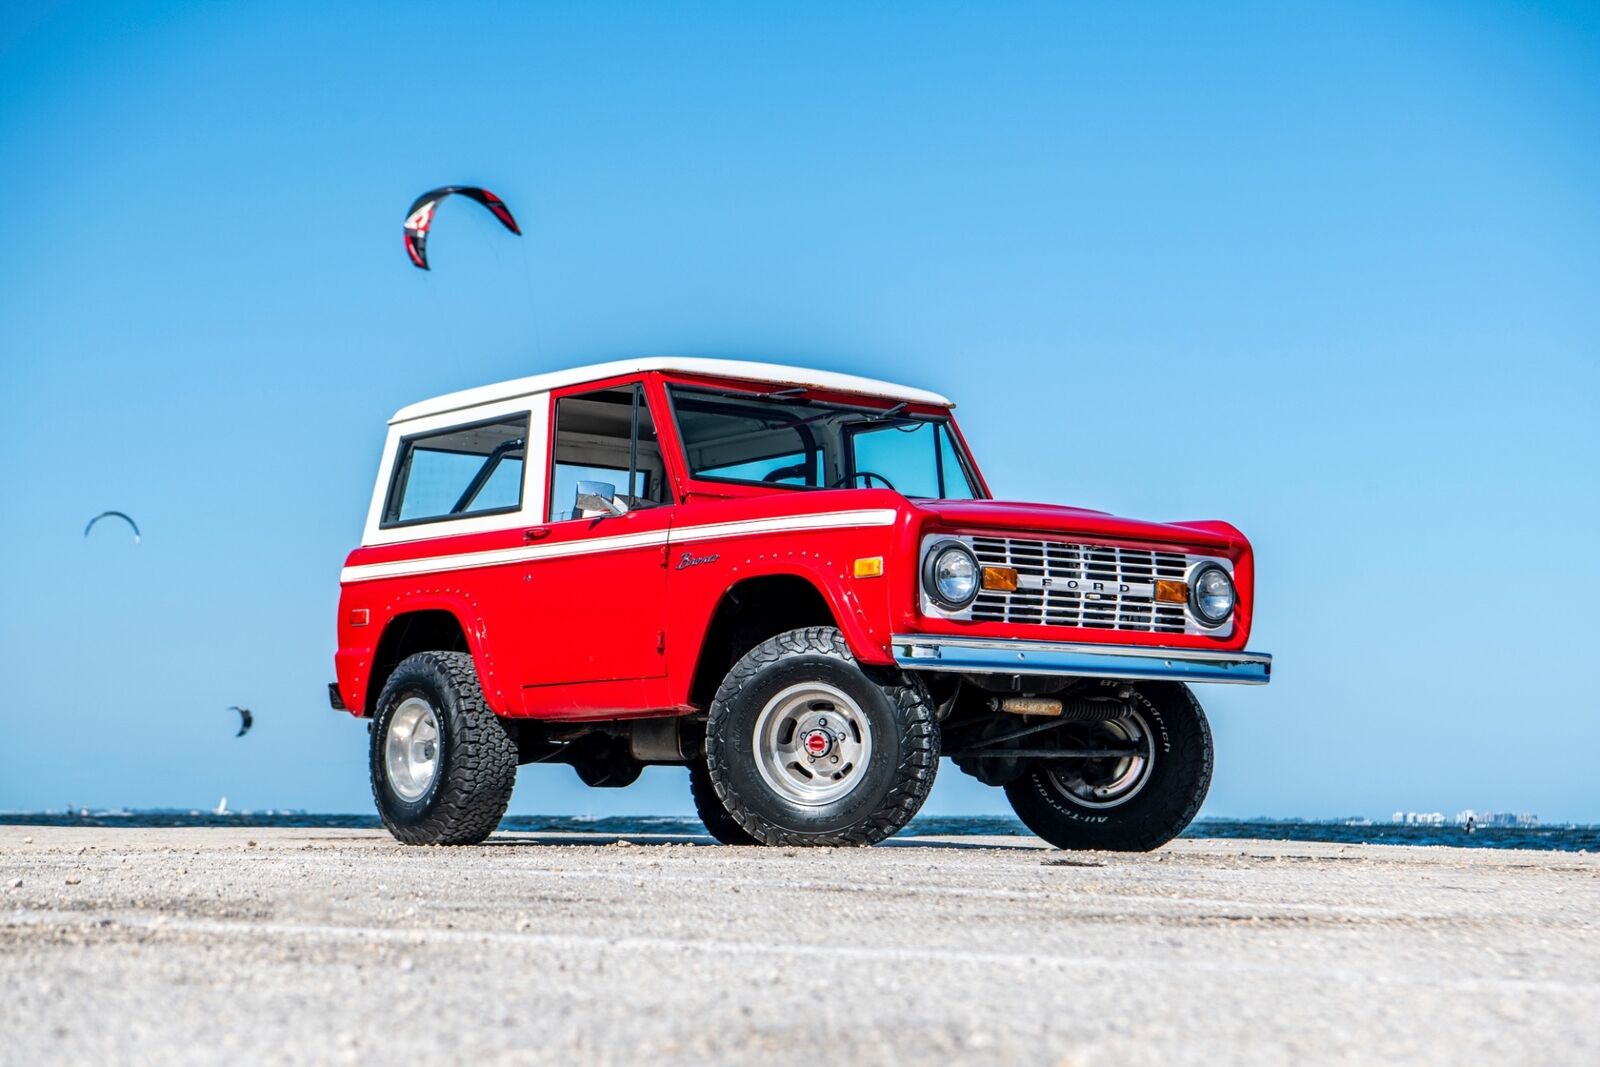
(818, 743)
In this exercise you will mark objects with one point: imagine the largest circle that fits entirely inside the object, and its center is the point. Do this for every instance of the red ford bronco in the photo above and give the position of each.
(793, 582)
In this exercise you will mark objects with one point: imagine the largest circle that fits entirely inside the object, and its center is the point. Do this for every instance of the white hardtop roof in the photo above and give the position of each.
(772, 373)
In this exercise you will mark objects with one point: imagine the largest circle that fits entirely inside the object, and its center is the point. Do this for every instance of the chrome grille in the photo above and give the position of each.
(1059, 561)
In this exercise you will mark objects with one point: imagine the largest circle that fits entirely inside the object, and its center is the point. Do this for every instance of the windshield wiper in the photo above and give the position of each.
(887, 413)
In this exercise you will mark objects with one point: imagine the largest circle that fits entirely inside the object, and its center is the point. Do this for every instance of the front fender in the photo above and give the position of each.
(860, 606)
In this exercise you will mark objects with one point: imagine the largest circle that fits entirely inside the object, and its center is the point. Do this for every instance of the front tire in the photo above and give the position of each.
(442, 762)
(1134, 804)
(804, 747)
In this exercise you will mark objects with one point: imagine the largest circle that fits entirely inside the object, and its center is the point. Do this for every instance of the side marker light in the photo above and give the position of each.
(869, 567)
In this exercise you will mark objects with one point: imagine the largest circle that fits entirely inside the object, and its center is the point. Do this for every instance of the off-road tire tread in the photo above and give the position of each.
(480, 770)
(719, 824)
(919, 757)
(1195, 765)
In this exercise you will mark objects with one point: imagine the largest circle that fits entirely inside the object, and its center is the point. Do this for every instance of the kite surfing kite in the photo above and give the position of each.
(246, 720)
(419, 217)
(113, 514)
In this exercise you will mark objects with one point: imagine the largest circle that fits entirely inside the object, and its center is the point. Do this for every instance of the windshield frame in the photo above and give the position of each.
(904, 413)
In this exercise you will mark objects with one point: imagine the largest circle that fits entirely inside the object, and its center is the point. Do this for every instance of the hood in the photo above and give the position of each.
(1004, 515)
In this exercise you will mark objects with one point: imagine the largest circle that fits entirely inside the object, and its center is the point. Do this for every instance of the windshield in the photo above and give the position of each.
(785, 439)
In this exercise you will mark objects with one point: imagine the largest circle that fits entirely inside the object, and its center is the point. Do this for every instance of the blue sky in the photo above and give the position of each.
(1327, 271)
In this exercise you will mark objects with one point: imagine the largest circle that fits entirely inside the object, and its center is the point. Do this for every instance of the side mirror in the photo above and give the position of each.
(597, 497)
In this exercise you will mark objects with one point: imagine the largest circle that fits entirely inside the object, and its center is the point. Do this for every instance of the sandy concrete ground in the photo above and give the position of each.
(294, 946)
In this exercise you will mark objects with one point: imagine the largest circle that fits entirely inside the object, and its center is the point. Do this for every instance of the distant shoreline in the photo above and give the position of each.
(1568, 838)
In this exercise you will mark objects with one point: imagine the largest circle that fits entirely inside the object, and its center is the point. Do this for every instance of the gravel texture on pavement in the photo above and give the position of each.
(297, 946)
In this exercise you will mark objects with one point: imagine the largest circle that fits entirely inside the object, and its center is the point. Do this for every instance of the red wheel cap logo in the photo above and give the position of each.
(818, 743)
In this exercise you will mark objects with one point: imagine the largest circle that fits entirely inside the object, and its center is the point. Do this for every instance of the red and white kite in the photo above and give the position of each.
(420, 216)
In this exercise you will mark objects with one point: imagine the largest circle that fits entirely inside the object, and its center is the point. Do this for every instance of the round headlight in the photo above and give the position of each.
(1211, 595)
(950, 575)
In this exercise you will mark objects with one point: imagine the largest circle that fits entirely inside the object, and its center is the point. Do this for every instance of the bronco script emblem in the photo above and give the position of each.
(689, 559)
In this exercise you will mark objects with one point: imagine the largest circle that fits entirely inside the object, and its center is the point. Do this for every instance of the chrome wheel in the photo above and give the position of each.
(1105, 783)
(411, 748)
(812, 744)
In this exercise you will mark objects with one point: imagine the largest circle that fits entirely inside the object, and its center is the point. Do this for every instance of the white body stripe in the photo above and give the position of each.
(827, 520)
(705, 532)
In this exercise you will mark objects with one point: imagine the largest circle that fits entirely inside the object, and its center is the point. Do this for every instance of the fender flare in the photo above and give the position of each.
(868, 642)
(468, 614)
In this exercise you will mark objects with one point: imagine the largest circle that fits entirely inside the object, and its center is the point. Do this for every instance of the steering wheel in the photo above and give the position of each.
(865, 476)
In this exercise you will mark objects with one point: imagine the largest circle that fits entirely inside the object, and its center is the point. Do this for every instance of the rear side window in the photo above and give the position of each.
(466, 470)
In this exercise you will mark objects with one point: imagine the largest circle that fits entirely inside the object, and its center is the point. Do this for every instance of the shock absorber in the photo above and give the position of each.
(1071, 709)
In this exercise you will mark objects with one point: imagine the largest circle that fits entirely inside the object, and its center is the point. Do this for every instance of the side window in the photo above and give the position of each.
(467, 470)
(606, 436)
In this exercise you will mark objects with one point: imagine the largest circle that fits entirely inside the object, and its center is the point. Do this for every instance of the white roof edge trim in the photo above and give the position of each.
(773, 373)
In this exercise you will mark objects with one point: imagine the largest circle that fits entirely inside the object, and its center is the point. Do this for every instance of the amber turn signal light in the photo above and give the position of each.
(1172, 592)
(1000, 579)
(869, 567)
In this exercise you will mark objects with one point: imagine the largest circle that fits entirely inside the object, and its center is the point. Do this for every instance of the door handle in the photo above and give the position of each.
(538, 533)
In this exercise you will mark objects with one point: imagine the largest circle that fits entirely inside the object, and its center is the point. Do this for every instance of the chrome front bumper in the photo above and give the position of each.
(977, 655)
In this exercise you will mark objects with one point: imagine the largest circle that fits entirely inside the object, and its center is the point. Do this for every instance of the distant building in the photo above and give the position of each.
(1419, 818)
(1479, 819)
(1520, 821)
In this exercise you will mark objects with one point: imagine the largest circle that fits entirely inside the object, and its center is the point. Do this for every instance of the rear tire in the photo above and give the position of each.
(442, 763)
(804, 747)
(1118, 807)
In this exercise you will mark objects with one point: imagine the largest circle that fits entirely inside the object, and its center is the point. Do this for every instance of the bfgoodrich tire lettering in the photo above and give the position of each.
(476, 756)
(887, 789)
(1165, 801)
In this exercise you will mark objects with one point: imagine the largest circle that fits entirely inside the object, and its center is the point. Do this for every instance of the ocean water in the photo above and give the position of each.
(1567, 838)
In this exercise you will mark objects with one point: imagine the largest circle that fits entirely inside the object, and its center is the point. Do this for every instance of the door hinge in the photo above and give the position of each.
(661, 640)
(664, 554)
